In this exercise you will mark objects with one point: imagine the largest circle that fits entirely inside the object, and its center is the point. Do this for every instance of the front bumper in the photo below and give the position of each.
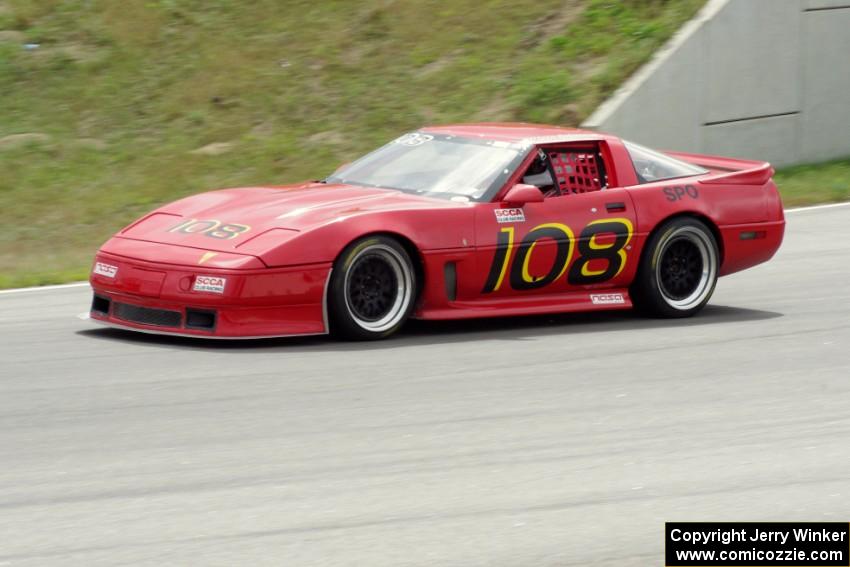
(162, 298)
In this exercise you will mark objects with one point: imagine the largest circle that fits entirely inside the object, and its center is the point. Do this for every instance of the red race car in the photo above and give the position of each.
(448, 222)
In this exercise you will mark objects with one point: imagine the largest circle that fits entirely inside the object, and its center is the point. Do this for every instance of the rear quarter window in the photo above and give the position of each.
(652, 166)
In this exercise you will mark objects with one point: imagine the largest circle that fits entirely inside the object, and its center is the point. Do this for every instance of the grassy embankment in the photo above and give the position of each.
(124, 105)
(817, 183)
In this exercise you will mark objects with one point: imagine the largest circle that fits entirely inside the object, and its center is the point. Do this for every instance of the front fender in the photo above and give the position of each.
(428, 230)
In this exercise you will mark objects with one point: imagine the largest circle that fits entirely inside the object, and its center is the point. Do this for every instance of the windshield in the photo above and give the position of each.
(655, 166)
(436, 165)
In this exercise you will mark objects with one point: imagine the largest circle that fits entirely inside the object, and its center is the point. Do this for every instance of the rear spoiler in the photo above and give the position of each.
(729, 170)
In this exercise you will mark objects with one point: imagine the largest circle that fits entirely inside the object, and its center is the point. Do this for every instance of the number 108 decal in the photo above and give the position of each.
(213, 228)
(589, 249)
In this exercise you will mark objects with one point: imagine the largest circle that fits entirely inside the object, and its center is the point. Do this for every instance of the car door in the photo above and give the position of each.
(579, 238)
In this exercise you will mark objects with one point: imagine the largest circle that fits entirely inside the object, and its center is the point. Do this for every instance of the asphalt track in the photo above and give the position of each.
(528, 442)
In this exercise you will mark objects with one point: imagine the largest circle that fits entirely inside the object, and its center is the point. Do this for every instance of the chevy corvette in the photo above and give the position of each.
(448, 222)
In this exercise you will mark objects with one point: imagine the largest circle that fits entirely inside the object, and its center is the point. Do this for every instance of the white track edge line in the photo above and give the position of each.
(85, 284)
(44, 287)
(816, 207)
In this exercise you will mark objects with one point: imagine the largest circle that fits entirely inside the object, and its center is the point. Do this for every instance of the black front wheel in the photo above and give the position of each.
(372, 289)
(678, 271)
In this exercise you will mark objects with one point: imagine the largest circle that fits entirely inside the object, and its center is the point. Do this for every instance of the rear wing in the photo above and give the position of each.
(729, 170)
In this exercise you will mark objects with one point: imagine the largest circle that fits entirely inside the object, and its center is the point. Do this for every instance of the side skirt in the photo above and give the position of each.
(576, 301)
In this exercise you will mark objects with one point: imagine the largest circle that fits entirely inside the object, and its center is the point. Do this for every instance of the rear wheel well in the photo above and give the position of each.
(715, 231)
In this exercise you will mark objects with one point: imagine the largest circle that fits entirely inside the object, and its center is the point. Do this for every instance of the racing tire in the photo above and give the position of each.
(678, 271)
(372, 289)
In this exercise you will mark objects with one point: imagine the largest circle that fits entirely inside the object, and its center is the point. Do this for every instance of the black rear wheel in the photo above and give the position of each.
(678, 270)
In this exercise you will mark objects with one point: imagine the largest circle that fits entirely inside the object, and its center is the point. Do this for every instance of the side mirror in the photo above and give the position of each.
(520, 194)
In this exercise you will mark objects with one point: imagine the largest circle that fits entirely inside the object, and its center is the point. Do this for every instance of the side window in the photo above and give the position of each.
(567, 170)
(577, 169)
(539, 174)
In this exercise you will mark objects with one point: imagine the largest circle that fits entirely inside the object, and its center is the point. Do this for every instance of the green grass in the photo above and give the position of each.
(817, 183)
(126, 89)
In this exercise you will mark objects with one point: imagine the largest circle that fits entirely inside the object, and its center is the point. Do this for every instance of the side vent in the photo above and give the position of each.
(450, 277)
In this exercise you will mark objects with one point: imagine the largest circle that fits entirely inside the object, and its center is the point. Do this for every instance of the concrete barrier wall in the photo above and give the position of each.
(759, 79)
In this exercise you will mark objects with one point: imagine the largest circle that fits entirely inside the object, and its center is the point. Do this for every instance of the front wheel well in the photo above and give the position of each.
(373, 286)
(409, 247)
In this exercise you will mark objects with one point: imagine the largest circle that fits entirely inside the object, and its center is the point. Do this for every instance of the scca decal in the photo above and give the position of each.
(213, 228)
(589, 249)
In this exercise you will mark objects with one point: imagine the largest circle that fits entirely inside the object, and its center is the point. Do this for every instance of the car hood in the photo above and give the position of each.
(229, 219)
